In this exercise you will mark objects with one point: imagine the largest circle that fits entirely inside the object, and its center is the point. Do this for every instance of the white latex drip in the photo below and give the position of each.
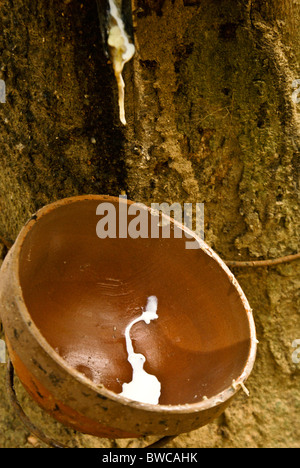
(144, 387)
(121, 51)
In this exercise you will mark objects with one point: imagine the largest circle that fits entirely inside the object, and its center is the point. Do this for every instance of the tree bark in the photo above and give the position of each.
(211, 119)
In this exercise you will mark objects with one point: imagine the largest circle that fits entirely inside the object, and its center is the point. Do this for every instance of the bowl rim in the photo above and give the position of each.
(100, 389)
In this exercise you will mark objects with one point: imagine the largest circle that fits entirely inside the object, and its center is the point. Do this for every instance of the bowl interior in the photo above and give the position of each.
(82, 292)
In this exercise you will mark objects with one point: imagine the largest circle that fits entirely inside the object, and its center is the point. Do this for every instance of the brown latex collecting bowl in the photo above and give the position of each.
(67, 296)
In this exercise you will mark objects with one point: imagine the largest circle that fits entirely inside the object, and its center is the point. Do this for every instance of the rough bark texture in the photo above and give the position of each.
(210, 119)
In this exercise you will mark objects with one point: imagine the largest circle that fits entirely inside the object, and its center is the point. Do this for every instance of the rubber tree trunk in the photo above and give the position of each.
(213, 117)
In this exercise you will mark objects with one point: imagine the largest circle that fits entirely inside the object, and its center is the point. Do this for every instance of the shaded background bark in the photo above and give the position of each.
(210, 119)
